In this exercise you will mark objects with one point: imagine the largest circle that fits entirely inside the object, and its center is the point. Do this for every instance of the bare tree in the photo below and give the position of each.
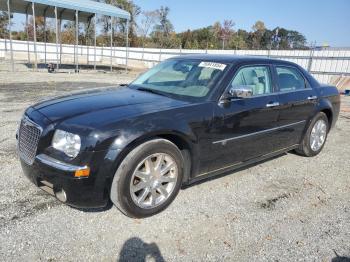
(259, 26)
(223, 31)
(147, 22)
(226, 31)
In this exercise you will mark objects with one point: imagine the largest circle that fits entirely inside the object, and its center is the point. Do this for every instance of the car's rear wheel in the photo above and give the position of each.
(148, 179)
(315, 137)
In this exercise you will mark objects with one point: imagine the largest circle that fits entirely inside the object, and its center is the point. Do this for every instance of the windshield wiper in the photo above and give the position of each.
(149, 90)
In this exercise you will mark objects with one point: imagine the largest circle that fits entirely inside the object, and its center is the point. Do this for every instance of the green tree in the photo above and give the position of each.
(133, 9)
(43, 33)
(296, 40)
(259, 30)
(4, 23)
(164, 28)
(238, 40)
(68, 33)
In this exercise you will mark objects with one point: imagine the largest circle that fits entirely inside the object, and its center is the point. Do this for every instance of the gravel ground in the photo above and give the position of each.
(289, 208)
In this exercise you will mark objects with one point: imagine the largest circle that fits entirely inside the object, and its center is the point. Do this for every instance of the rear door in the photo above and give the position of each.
(297, 100)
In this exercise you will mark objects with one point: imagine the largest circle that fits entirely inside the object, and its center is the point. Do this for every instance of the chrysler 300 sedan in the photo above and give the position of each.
(184, 120)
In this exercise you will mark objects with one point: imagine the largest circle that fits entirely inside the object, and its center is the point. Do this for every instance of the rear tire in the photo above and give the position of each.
(315, 136)
(148, 179)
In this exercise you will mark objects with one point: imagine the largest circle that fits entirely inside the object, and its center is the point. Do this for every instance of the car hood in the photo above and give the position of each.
(122, 101)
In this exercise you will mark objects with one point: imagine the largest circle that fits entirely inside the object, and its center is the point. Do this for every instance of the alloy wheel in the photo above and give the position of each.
(318, 135)
(153, 180)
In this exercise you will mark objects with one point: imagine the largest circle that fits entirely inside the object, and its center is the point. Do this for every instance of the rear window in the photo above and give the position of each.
(290, 79)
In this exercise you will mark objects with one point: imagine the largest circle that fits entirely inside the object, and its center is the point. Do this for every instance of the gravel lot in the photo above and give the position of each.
(289, 208)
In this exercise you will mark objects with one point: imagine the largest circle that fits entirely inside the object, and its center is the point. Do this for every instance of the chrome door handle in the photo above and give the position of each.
(272, 104)
(312, 98)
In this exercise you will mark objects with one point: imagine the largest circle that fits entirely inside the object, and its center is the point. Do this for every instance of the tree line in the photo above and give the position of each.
(154, 29)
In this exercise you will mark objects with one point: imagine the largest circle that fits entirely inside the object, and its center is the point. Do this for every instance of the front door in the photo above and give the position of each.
(245, 128)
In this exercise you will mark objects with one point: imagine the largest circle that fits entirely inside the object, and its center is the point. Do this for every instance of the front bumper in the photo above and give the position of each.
(57, 178)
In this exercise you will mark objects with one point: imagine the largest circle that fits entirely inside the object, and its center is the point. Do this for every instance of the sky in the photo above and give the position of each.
(321, 21)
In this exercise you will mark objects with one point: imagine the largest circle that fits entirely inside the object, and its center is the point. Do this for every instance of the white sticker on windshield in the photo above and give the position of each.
(213, 65)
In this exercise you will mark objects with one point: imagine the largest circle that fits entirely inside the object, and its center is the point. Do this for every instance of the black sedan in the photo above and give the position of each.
(184, 120)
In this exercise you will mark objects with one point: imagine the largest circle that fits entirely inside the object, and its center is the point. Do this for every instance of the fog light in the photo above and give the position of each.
(82, 172)
(61, 195)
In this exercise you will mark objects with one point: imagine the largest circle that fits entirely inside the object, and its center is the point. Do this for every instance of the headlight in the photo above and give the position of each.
(66, 142)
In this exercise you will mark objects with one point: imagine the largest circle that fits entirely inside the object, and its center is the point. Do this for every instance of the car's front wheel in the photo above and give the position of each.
(148, 179)
(315, 136)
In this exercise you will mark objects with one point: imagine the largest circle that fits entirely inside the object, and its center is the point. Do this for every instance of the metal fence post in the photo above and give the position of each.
(127, 46)
(76, 50)
(34, 29)
(59, 34)
(10, 33)
(57, 37)
(309, 66)
(95, 21)
(87, 52)
(27, 33)
(111, 44)
(45, 35)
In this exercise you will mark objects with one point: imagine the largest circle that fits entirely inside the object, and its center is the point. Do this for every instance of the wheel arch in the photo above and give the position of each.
(185, 145)
(329, 113)
(325, 106)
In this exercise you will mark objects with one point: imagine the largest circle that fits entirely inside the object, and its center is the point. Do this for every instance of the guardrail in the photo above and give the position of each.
(323, 64)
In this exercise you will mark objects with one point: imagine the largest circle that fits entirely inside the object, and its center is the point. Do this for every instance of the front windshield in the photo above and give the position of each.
(183, 78)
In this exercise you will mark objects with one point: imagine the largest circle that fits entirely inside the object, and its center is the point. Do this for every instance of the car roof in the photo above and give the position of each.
(232, 59)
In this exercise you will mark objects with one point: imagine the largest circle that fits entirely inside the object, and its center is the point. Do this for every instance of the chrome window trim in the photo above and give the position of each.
(293, 91)
(223, 141)
(52, 162)
(256, 96)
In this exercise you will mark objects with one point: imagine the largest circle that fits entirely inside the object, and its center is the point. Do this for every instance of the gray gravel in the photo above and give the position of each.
(289, 208)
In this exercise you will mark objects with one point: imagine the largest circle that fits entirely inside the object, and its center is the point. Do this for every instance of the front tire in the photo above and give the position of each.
(148, 179)
(315, 137)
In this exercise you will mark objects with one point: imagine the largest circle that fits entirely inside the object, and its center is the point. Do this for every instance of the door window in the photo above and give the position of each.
(256, 78)
(290, 79)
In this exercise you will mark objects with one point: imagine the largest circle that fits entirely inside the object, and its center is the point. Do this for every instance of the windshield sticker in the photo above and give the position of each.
(213, 65)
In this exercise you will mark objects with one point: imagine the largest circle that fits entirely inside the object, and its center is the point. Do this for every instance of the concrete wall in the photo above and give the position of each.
(323, 64)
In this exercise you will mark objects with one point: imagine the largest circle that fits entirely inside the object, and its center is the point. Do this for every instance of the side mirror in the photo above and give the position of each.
(240, 92)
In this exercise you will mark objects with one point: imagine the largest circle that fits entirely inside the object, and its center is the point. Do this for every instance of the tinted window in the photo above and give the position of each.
(290, 79)
(256, 78)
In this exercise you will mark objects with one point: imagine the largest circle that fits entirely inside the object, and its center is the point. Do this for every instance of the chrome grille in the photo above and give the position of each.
(28, 138)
